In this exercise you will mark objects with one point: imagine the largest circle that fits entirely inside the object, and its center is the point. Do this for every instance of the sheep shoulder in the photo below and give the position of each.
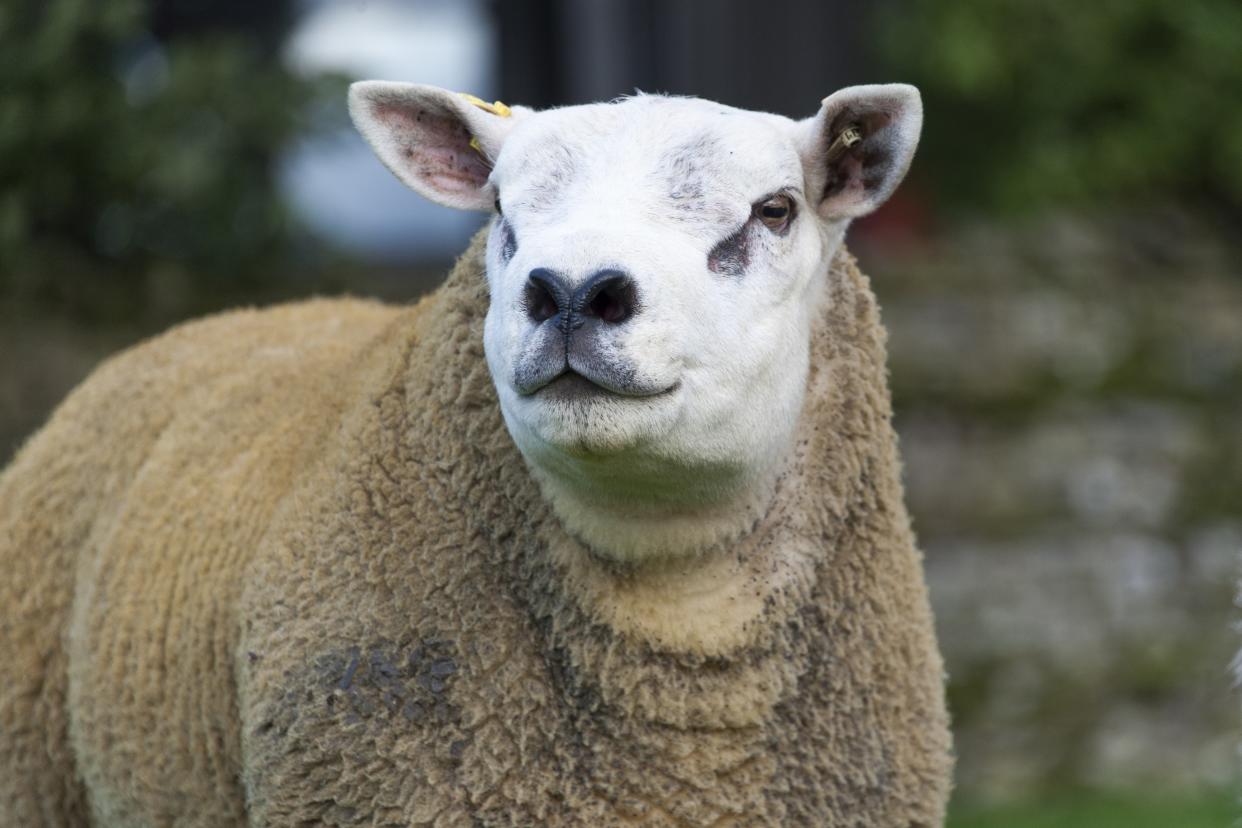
(126, 524)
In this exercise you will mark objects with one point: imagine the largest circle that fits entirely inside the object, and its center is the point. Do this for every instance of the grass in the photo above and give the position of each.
(1094, 810)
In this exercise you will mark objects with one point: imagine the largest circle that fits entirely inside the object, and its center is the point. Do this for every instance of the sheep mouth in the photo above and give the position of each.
(583, 367)
(571, 386)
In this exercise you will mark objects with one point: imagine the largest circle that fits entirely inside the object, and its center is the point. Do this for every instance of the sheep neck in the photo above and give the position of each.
(718, 639)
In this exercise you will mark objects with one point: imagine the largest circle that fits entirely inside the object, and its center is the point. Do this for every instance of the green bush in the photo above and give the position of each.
(138, 172)
(1213, 809)
(1045, 103)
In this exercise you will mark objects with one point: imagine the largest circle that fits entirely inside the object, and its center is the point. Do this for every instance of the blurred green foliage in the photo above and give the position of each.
(138, 172)
(1034, 105)
(1103, 811)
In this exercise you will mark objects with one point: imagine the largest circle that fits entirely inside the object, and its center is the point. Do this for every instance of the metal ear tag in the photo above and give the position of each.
(845, 139)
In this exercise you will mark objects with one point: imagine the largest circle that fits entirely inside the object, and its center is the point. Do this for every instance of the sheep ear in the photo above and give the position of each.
(441, 144)
(858, 147)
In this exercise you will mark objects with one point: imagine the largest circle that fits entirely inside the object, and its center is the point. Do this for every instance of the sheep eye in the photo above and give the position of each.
(498, 210)
(775, 212)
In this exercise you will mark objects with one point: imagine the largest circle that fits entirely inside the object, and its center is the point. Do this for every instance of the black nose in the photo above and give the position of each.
(546, 295)
(607, 295)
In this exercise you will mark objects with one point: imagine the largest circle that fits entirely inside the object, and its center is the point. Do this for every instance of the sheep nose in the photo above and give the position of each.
(607, 295)
(546, 295)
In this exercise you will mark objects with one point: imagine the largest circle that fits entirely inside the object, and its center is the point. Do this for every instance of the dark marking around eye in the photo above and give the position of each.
(731, 256)
(508, 241)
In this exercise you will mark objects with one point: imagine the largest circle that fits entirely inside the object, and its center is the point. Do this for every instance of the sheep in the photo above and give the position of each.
(607, 530)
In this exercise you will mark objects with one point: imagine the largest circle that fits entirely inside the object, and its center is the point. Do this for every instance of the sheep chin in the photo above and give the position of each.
(654, 528)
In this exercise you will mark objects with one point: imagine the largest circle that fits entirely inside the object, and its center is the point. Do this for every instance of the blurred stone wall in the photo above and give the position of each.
(1069, 398)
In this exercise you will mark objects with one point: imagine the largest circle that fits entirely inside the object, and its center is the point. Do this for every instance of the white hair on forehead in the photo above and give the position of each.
(734, 150)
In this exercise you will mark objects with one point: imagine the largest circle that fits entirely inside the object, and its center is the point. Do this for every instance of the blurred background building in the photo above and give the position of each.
(1060, 276)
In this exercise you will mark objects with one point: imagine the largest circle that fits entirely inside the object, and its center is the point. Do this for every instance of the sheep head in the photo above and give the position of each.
(655, 265)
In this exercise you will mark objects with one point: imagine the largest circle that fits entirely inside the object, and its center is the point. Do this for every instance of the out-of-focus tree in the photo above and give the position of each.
(1082, 573)
(1060, 101)
(137, 151)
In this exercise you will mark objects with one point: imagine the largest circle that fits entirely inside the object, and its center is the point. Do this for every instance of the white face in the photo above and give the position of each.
(646, 317)
(654, 267)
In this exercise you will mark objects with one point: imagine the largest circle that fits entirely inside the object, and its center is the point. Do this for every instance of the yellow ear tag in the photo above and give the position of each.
(497, 108)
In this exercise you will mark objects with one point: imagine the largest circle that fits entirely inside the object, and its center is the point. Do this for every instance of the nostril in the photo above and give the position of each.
(610, 296)
(540, 304)
(609, 305)
(543, 296)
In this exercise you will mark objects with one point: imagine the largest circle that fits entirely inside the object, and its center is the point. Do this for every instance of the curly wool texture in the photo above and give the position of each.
(287, 567)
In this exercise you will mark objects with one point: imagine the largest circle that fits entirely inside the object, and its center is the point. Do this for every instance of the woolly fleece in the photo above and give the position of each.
(286, 567)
